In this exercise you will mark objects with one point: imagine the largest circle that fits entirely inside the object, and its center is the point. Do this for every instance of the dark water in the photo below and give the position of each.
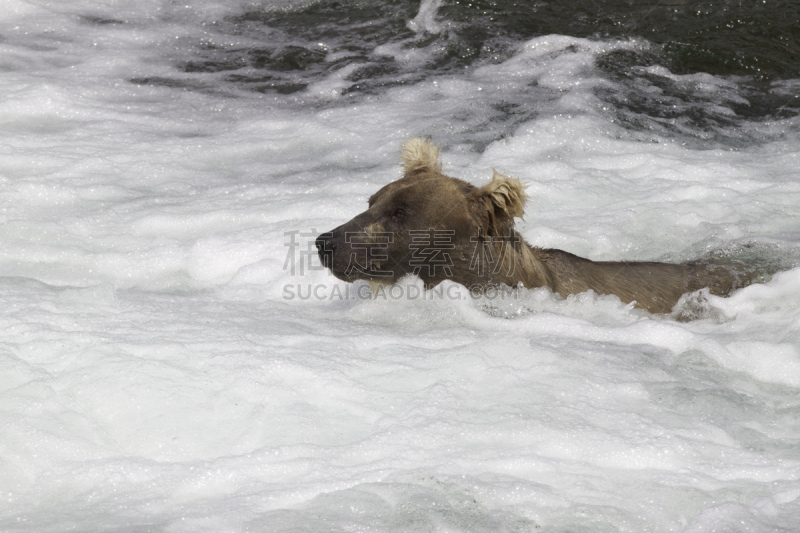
(746, 38)
(753, 44)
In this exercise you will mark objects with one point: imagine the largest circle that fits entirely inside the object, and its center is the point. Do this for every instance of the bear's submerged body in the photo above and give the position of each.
(438, 227)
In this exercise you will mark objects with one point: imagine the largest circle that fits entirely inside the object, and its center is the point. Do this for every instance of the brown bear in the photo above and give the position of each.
(438, 227)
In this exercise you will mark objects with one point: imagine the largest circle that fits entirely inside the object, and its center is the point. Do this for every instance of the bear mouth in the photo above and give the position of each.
(351, 264)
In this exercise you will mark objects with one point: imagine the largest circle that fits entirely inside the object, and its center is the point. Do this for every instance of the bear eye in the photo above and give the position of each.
(399, 214)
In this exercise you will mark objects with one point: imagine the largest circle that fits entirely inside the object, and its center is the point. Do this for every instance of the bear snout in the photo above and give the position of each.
(325, 248)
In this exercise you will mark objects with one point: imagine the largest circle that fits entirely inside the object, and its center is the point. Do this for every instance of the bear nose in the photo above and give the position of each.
(325, 248)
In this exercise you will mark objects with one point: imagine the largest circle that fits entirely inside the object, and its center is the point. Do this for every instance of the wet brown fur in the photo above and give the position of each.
(439, 227)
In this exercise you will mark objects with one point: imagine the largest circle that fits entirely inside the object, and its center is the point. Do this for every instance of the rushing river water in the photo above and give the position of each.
(175, 359)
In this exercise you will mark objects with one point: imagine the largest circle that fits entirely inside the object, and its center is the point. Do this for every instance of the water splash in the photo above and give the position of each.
(425, 20)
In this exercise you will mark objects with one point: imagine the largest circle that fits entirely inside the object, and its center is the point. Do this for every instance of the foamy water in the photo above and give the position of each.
(175, 358)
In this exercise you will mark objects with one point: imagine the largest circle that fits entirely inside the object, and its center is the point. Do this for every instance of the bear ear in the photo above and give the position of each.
(504, 196)
(419, 155)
